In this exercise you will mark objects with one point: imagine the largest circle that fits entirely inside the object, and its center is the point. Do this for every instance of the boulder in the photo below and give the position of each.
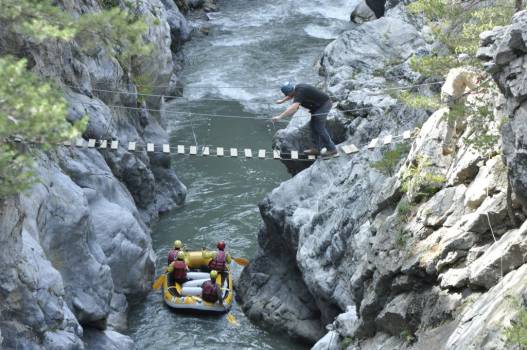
(398, 316)
(362, 12)
(279, 300)
(507, 254)
(109, 340)
(367, 10)
(491, 178)
(370, 47)
(504, 50)
(481, 323)
(446, 204)
(454, 278)
(179, 28)
(85, 221)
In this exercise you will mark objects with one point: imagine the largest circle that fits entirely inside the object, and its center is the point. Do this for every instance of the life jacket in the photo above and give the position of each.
(180, 270)
(172, 255)
(218, 262)
(209, 291)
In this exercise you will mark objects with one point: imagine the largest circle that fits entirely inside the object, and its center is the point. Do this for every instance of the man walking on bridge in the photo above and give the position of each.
(319, 104)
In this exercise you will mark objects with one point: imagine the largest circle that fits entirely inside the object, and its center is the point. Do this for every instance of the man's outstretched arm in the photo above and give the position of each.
(282, 100)
(288, 112)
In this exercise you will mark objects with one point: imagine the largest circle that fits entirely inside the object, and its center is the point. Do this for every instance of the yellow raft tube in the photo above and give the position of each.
(188, 295)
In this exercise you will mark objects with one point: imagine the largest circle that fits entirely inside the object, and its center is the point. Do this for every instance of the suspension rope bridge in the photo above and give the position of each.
(230, 152)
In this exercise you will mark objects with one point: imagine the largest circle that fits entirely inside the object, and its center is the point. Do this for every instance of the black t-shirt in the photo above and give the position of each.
(310, 97)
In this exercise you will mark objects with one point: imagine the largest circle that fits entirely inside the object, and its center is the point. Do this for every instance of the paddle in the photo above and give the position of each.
(159, 282)
(232, 320)
(241, 261)
(179, 289)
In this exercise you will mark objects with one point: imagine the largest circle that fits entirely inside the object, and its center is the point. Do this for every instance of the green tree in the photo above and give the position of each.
(388, 163)
(457, 26)
(419, 182)
(516, 333)
(33, 111)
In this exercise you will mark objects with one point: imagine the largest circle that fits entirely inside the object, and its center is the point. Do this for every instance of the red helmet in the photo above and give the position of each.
(221, 245)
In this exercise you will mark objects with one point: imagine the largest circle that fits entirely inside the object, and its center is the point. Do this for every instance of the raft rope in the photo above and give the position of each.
(494, 237)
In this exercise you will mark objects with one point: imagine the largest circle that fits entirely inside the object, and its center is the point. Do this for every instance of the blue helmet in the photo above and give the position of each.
(288, 88)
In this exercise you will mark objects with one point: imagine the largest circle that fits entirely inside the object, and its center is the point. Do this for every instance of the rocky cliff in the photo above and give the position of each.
(78, 243)
(429, 256)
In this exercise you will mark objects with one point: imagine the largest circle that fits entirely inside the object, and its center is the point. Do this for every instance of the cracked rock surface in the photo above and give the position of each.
(77, 244)
(381, 261)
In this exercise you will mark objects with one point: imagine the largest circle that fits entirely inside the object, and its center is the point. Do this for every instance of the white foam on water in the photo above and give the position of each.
(264, 16)
(321, 32)
(238, 41)
(336, 9)
(246, 48)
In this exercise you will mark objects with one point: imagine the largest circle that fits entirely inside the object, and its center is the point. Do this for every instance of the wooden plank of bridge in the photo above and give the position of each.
(219, 151)
(166, 148)
(103, 144)
(261, 153)
(115, 144)
(91, 143)
(234, 152)
(294, 154)
(373, 143)
(350, 149)
(131, 146)
(276, 154)
(388, 139)
(150, 147)
(205, 151)
(248, 153)
(180, 149)
(193, 150)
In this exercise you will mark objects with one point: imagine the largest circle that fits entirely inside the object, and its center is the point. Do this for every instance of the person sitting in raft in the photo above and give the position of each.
(319, 104)
(178, 269)
(210, 291)
(220, 259)
(172, 254)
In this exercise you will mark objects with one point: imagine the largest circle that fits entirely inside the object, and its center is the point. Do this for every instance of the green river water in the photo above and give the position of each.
(236, 70)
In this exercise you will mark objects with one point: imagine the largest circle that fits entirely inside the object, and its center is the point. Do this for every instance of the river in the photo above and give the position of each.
(236, 70)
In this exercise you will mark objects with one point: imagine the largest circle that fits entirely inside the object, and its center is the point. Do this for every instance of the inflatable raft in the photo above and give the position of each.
(188, 295)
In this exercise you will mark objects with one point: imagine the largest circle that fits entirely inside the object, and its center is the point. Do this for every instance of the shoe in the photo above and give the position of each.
(312, 152)
(330, 154)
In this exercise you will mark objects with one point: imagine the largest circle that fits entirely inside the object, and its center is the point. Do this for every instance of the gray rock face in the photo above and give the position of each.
(77, 243)
(319, 219)
(423, 264)
(108, 340)
(502, 257)
(504, 50)
(292, 312)
(368, 10)
(355, 67)
(362, 12)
